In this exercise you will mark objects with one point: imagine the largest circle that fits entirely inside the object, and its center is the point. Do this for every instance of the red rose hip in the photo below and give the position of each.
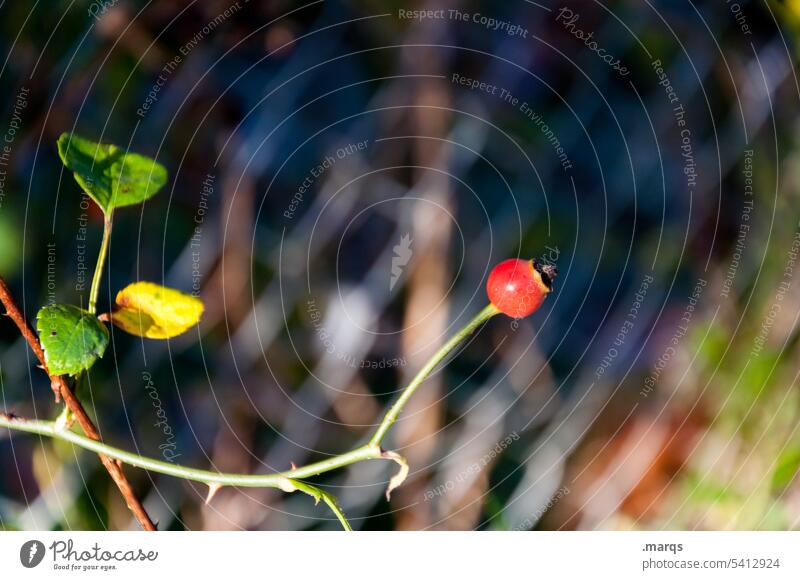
(518, 287)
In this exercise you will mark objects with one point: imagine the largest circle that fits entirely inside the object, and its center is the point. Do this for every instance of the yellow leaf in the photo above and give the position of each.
(153, 311)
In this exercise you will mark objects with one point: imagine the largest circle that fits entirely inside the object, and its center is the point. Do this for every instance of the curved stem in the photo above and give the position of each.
(330, 500)
(276, 480)
(371, 450)
(393, 412)
(286, 480)
(101, 261)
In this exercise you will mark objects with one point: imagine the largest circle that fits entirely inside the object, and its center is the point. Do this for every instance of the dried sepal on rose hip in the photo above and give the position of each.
(518, 287)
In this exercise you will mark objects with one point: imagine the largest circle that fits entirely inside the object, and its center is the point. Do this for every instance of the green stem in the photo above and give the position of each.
(330, 500)
(101, 260)
(393, 412)
(286, 480)
(335, 462)
(372, 450)
(277, 480)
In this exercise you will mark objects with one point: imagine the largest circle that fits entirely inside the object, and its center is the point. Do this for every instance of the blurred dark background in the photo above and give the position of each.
(649, 150)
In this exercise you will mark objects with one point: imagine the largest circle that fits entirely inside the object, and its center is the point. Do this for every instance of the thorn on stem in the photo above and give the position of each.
(213, 488)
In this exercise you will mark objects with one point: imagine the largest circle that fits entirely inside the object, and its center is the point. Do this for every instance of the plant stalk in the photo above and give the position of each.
(62, 390)
(419, 378)
(276, 480)
(94, 292)
(287, 480)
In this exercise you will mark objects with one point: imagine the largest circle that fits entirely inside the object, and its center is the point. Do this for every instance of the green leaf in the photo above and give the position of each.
(153, 311)
(110, 176)
(73, 339)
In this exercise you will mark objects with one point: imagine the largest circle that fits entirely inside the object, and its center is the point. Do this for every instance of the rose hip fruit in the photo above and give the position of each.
(518, 287)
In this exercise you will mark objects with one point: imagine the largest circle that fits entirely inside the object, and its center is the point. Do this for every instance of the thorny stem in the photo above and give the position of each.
(62, 390)
(276, 480)
(287, 480)
(101, 261)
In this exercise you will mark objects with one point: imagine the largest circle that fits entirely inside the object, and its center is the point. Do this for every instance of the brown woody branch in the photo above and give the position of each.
(62, 389)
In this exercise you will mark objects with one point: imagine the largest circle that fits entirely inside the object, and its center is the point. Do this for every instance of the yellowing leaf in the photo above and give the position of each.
(153, 311)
